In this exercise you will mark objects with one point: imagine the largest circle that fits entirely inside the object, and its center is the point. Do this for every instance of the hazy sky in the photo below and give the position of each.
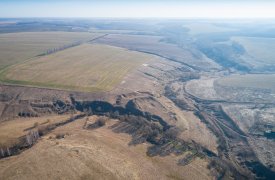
(139, 8)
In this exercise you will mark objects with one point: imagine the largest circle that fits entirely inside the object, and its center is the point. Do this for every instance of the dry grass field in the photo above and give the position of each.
(18, 47)
(260, 50)
(240, 88)
(257, 81)
(11, 130)
(95, 154)
(156, 45)
(88, 67)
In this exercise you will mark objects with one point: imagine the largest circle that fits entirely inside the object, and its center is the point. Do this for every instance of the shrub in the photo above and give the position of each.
(101, 121)
(172, 133)
(115, 114)
(35, 124)
(59, 135)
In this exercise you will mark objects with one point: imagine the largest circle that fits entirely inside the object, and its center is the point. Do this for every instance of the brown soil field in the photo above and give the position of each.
(95, 154)
(87, 67)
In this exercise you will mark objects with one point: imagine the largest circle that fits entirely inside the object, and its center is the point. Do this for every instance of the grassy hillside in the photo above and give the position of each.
(95, 154)
(11, 130)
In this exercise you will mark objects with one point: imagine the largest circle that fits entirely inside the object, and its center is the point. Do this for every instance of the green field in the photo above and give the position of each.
(88, 67)
(260, 49)
(259, 81)
(18, 47)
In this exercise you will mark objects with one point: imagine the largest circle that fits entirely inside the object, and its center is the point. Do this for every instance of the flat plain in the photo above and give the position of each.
(259, 50)
(87, 67)
(257, 81)
(18, 47)
(156, 45)
(204, 28)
